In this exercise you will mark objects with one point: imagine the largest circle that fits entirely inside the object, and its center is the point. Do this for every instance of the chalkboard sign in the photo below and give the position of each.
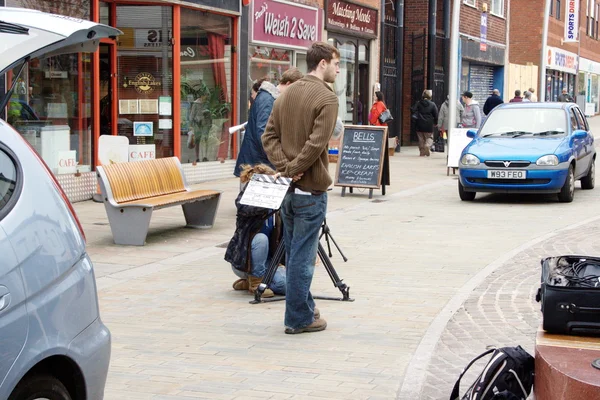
(360, 160)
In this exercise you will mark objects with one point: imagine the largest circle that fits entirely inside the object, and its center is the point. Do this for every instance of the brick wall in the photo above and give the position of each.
(470, 20)
(526, 44)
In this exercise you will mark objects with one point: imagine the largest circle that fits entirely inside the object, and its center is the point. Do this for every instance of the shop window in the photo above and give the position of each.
(269, 62)
(470, 2)
(301, 62)
(362, 53)
(145, 77)
(205, 86)
(497, 7)
(51, 108)
(557, 14)
(51, 104)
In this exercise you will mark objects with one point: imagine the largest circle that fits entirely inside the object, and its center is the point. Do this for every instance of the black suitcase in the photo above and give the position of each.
(569, 309)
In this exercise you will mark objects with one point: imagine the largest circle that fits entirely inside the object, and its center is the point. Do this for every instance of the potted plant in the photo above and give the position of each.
(208, 114)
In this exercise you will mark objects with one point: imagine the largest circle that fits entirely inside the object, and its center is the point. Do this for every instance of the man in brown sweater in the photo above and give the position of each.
(296, 140)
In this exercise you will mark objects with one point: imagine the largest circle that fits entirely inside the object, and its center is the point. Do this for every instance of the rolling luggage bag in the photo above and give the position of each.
(570, 295)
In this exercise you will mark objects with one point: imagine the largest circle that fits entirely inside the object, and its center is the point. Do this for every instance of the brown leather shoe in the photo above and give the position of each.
(253, 283)
(316, 326)
(241, 284)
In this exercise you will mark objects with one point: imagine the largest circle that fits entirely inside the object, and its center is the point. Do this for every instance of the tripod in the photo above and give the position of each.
(278, 256)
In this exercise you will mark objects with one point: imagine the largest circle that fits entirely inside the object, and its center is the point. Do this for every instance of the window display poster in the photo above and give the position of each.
(129, 107)
(164, 105)
(67, 162)
(145, 128)
(141, 152)
(165, 124)
(148, 106)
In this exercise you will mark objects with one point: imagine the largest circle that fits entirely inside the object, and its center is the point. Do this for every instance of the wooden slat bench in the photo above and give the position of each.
(132, 190)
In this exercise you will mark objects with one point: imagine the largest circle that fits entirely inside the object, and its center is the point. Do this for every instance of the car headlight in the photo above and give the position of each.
(469, 159)
(550, 159)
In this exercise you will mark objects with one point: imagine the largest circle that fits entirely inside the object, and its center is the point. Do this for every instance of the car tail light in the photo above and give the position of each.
(57, 185)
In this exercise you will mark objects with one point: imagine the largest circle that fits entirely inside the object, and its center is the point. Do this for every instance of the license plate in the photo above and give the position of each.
(502, 174)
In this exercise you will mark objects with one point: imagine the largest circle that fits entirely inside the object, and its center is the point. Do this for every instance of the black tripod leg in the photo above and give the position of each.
(270, 274)
(337, 282)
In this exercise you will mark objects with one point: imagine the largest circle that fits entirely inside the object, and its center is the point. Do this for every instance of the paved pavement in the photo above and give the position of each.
(435, 281)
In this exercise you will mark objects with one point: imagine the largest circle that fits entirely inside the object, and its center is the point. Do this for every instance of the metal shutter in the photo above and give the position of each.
(481, 81)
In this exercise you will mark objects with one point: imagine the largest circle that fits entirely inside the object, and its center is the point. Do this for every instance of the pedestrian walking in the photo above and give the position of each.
(492, 101)
(517, 98)
(258, 232)
(425, 114)
(444, 116)
(534, 98)
(471, 118)
(251, 151)
(376, 110)
(565, 97)
(296, 141)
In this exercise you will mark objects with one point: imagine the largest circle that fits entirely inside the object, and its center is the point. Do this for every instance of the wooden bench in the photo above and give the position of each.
(132, 190)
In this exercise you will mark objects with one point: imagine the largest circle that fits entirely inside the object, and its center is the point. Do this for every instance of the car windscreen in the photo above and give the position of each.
(525, 122)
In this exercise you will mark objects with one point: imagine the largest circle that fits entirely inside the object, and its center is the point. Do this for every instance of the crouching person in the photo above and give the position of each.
(258, 232)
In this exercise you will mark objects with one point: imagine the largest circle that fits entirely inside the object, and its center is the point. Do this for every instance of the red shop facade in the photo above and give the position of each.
(171, 75)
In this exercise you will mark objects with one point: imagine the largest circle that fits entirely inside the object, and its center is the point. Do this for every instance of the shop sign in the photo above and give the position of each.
(483, 32)
(283, 23)
(346, 17)
(590, 66)
(151, 38)
(141, 152)
(67, 162)
(144, 83)
(562, 60)
(572, 21)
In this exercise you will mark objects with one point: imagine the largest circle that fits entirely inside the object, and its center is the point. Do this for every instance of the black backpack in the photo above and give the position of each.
(508, 376)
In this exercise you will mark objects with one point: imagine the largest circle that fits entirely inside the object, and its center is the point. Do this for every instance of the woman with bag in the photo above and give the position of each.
(425, 114)
(379, 110)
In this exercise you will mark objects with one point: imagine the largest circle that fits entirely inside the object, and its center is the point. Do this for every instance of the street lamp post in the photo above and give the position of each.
(453, 79)
(544, 55)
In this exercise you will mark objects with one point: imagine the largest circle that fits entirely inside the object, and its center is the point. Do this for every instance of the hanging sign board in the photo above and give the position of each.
(457, 141)
(361, 156)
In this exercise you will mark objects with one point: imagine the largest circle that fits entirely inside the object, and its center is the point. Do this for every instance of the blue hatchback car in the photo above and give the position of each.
(529, 148)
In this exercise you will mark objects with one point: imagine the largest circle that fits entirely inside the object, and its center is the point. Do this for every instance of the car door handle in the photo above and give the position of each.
(4, 297)
(4, 301)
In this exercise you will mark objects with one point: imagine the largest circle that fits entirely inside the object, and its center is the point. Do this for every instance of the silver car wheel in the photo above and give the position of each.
(572, 184)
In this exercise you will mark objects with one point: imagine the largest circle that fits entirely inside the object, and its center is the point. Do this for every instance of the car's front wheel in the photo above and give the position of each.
(568, 190)
(588, 182)
(40, 387)
(464, 195)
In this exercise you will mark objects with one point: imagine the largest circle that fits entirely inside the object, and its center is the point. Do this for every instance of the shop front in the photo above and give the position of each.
(281, 32)
(482, 69)
(168, 83)
(352, 29)
(588, 86)
(560, 73)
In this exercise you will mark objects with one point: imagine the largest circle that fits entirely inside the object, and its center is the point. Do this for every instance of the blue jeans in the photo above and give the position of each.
(302, 218)
(260, 261)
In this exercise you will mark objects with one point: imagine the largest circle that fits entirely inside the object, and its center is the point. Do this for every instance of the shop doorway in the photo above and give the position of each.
(363, 106)
(107, 92)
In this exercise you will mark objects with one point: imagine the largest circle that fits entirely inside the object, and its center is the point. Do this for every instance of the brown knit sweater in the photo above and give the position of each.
(297, 135)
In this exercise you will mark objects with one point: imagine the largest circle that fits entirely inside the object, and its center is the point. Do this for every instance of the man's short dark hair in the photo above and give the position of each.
(468, 94)
(320, 51)
(290, 76)
(517, 93)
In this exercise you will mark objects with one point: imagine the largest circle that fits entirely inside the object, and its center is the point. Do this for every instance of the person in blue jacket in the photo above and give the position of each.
(251, 151)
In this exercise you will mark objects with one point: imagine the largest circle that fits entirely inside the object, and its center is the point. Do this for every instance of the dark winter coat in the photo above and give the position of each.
(428, 115)
(492, 102)
(249, 221)
(252, 151)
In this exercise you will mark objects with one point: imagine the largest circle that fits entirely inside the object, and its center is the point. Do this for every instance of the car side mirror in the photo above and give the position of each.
(579, 134)
(472, 133)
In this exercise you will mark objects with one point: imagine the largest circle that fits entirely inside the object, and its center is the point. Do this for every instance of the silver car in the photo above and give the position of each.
(53, 344)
